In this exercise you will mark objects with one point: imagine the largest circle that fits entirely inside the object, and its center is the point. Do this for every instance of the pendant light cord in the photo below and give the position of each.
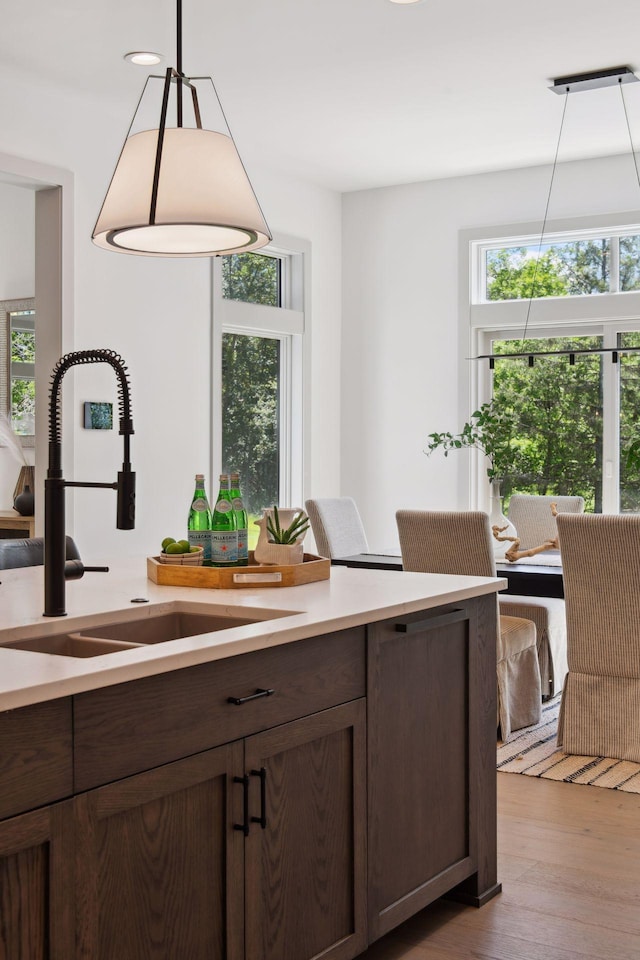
(179, 62)
(544, 220)
(626, 117)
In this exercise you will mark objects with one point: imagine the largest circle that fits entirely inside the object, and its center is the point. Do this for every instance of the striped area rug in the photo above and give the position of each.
(533, 751)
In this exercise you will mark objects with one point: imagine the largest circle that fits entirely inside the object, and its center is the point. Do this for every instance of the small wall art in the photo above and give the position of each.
(98, 415)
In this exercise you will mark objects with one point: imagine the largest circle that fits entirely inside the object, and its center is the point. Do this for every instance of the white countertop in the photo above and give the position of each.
(348, 598)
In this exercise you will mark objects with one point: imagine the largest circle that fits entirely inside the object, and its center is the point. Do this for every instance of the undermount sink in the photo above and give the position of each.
(175, 621)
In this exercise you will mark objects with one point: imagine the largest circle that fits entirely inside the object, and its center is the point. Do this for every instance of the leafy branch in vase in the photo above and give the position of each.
(490, 430)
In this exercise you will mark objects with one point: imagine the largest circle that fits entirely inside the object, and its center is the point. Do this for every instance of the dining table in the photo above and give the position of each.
(537, 576)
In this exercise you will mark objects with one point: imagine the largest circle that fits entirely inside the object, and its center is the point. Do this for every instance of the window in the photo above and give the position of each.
(251, 374)
(628, 423)
(577, 414)
(568, 269)
(564, 267)
(252, 278)
(17, 372)
(258, 298)
(558, 449)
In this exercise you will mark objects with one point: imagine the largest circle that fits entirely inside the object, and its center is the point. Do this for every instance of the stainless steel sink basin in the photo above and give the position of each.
(170, 621)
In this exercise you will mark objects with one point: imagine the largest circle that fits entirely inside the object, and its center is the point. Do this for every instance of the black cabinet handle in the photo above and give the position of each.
(429, 623)
(244, 826)
(238, 701)
(262, 819)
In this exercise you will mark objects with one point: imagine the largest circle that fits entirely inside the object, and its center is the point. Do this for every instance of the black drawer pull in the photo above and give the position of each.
(238, 701)
(244, 826)
(262, 819)
(429, 623)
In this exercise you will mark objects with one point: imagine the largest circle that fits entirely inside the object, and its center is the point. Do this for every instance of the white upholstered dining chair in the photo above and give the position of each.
(337, 527)
(460, 543)
(535, 523)
(600, 710)
(532, 517)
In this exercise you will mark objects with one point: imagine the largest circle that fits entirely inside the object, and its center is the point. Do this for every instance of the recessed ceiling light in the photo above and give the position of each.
(144, 58)
(415, 2)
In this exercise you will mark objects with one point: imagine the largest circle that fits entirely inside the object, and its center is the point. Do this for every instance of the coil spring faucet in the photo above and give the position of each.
(56, 568)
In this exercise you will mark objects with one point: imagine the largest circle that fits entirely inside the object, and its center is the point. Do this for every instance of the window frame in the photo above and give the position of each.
(289, 323)
(7, 309)
(604, 314)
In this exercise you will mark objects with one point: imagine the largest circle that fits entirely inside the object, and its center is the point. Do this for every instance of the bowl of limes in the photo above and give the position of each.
(180, 551)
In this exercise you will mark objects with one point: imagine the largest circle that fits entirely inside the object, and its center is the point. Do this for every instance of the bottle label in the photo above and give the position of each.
(199, 504)
(201, 538)
(223, 506)
(243, 544)
(224, 547)
(237, 503)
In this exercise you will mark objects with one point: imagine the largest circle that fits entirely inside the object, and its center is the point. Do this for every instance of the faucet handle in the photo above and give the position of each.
(126, 517)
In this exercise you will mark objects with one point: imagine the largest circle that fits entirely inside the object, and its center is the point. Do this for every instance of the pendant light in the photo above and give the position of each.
(180, 188)
(564, 86)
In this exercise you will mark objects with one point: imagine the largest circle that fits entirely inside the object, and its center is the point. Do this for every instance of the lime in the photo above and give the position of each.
(193, 549)
(174, 548)
(166, 542)
(186, 546)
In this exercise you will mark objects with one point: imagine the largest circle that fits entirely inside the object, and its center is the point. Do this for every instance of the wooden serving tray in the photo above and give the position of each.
(254, 575)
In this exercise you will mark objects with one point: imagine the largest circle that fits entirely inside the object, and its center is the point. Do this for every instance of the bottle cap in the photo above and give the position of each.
(224, 476)
(234, 476)
(199, 476)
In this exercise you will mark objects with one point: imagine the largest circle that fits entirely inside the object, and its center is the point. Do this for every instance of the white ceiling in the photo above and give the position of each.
(354, 94)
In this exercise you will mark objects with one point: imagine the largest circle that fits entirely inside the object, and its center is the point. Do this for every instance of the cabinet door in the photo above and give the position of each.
(36, 885)
(160, 867)
(431, 758)
(305, 852)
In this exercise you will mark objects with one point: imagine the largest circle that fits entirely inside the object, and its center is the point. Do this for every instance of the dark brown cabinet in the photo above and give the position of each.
(306, 849)
(267, 833)
(158, 861)
(36, 885)
(431, 728)
(289, 804)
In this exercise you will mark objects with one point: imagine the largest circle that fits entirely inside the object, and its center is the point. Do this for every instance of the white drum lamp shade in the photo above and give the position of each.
(204, 206)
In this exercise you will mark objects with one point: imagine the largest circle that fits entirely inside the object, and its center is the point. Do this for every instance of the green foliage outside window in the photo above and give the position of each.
(630, 263)
(23, 346)
(629, 425)
(251, 387)
(573, 268)
(23, 389)
(23, 406)
(252, 278)
(557, 449)
(250, 416)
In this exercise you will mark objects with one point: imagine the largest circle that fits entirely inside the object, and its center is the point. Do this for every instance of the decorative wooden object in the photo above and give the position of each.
(254, 575)
(514, 553)
(26, 478)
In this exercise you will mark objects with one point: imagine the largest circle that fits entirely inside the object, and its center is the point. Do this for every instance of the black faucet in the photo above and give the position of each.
(56, 568)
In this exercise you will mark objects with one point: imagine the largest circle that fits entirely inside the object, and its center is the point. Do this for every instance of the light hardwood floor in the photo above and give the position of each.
(569, 863)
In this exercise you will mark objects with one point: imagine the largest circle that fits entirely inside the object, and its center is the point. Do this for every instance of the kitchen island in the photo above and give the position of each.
(291, 785)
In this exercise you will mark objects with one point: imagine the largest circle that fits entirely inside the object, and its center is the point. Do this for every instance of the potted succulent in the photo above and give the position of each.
(281, 534)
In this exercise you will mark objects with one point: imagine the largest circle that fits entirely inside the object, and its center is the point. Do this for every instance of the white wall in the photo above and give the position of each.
(404, 372)
(17, 230)
(155, 312)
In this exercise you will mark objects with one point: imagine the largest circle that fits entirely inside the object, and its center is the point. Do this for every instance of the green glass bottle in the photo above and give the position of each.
(224, 533)
(199, 521)
(241, 518)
